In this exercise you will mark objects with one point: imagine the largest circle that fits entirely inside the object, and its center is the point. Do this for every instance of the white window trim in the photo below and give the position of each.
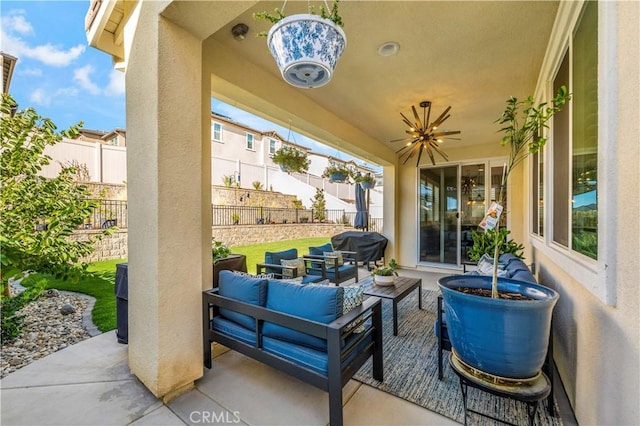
(213, 138)
(253, 141)
(594, 275)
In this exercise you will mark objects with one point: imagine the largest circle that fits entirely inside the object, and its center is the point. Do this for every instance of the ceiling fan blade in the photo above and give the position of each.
(415, 114)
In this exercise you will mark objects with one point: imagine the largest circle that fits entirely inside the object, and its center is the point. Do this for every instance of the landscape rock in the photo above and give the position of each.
(45, 331)
(67, 310)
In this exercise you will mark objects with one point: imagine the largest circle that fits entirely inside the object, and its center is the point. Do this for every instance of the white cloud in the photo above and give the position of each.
(31, 72)
(15, 22)
(116, 85)
(83, 77)
(15, 25)
(39, 97)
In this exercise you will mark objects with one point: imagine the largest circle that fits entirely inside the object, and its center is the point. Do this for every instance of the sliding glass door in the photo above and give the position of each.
(452, 202)
(439, 215)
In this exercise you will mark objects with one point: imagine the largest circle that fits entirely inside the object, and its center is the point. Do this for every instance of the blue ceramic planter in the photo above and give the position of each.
(506, 338)
(367, 185)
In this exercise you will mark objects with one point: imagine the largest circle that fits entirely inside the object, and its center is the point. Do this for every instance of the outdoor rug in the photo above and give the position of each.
(411, 370)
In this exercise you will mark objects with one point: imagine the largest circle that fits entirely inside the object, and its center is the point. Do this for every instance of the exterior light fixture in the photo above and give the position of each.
(239, 31)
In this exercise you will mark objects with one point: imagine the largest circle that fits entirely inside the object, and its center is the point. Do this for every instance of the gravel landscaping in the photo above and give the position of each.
(55, 321)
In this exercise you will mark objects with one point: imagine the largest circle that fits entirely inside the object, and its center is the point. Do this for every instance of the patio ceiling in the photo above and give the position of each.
(470, 55)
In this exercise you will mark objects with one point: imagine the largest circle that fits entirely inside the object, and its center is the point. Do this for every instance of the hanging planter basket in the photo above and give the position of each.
(306, 48)
(367, 184)
(338, 177)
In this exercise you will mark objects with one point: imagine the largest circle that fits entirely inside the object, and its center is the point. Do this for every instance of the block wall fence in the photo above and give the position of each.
(114, 246)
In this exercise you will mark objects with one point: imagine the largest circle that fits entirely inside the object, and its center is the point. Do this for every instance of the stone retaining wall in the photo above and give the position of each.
(240, 235)
(114, 246)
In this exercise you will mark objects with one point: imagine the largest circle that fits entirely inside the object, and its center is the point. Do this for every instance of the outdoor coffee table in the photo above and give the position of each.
(402, 288)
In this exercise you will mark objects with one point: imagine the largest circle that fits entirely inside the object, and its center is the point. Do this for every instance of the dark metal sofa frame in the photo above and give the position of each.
(339, 370)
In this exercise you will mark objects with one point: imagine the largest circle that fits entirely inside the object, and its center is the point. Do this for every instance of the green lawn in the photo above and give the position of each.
(99, 281)
(255, 252)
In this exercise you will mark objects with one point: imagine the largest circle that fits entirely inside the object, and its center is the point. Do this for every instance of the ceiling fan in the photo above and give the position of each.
(423, 135)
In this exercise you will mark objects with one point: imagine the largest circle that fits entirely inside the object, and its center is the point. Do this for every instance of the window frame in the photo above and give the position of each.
(593, 275)
(213, 132)
(250, 142)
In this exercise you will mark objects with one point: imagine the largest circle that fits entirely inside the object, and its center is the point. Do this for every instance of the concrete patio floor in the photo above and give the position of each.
(90, 384)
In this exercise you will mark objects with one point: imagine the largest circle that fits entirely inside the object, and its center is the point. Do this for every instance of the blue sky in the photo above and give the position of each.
(68, 81)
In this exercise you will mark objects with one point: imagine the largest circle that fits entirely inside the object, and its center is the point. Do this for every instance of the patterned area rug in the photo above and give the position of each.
(411, 370)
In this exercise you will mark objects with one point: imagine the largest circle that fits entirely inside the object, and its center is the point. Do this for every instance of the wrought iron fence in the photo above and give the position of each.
(114, 213)
(109, 213)
(375, 224)
(243, 215)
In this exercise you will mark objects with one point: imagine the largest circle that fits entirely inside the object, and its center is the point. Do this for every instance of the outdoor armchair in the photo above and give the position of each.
(287, 264)
(339, 266)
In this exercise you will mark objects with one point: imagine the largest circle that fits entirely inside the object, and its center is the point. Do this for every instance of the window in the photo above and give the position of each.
(584, 149)
(575, 143)
(114, 141)
(272, 146)
(216, 132)
(250, 142)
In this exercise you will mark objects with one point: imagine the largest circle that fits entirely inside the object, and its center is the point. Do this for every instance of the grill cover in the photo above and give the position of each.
(370, 246)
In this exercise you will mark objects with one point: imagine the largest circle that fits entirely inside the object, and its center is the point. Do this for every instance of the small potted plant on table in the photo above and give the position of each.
(385, 275)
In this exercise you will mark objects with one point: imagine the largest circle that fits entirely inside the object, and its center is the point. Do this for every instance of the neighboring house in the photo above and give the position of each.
(8, 65)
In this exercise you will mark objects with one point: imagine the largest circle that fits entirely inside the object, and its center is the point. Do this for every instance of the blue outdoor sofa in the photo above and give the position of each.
(298, 329)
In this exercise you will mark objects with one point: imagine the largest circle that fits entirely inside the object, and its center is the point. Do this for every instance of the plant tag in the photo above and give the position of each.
(492, 217)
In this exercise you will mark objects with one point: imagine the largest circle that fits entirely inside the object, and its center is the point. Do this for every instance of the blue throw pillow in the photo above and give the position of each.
(318, 303)
(244, 289)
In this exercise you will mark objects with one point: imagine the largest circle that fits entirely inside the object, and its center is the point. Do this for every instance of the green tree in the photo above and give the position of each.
(38, 214)
(319, 205)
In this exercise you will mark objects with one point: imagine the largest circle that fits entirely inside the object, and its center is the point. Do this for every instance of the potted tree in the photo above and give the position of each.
(322, 37)
(498, 325)
(336, 173)
(291, 159)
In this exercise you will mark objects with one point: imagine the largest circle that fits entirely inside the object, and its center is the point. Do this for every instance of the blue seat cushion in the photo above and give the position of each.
(234, 330)
(274, 258)
(309, 358)
(343, 271)
(319, 251)
(317, 303)
(244, 289)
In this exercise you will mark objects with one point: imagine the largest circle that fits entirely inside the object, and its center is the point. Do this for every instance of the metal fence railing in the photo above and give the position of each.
(114, 213)
(109, 213)
(375, 224)
(243, 215)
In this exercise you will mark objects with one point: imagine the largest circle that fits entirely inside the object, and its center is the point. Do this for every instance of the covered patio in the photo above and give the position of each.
(470, 55)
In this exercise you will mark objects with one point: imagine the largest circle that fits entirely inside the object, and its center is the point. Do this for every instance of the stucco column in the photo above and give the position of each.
(168, 167)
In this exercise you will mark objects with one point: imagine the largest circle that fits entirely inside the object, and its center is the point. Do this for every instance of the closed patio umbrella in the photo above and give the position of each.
(362, 217)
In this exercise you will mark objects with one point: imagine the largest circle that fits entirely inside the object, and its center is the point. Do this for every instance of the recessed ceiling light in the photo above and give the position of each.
(389, 48)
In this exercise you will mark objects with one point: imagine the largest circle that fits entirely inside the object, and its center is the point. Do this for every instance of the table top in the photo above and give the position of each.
(402, 284)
